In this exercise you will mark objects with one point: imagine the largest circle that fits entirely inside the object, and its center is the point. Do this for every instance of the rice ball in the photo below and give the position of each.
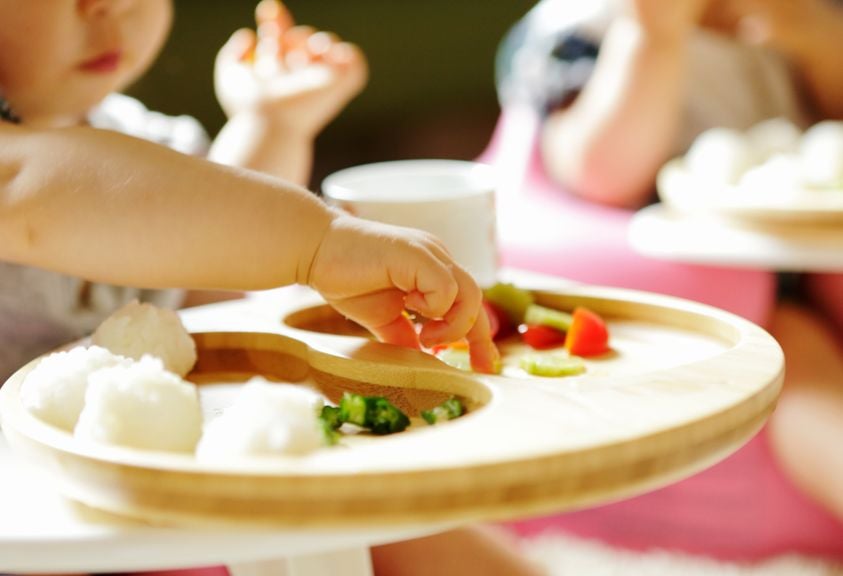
(141, 405)
(773, 137)
(776, 179)
(137, 329)
(54, 390)
(265, 419)
(821, 155)
(720, 156)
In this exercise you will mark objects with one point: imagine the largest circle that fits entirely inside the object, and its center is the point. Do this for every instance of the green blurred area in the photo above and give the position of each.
(431, 90)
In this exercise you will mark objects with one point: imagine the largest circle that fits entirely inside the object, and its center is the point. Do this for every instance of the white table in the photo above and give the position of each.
(660, 232)
(40, 531)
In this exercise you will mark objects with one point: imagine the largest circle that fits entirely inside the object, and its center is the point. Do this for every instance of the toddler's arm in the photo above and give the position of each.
(609, 145)
(115, 209)
(808, 31)
(279, 88)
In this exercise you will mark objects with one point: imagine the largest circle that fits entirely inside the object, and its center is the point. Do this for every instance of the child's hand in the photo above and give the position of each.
(661, 19)
(372, 272)
(785, 25)
(292, 76)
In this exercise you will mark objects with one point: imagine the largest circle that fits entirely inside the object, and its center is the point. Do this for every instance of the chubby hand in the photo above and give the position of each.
(295, 77)
(672, 19)
(372, 273)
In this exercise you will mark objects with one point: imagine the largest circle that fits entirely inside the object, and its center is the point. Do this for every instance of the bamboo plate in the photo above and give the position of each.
(686, 385)
(682, 191)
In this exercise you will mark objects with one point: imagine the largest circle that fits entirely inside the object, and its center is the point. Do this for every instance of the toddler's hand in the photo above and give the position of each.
(373, 272)
(293, 76)
(667, 19)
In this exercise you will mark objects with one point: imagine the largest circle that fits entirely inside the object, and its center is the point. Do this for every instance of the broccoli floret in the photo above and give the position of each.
(330, 421)
(448, 410)
(374, 413)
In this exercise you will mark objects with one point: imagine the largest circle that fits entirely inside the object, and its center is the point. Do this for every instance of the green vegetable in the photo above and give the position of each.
(331, 416)
(448, 410)
(374, 413)
(557, 364)
(548, 317)
(456, 357)
(513, 301)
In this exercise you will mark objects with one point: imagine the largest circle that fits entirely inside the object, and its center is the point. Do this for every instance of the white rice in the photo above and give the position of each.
(54, 390)
(265, 419)
(139, 329)
(141, 405)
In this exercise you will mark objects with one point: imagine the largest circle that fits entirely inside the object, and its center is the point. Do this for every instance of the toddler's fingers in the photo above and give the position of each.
(274, 13)
(294, 49)
(319, 45)
(461, 316)
(239, 47)
(484, 355)
(382, 313)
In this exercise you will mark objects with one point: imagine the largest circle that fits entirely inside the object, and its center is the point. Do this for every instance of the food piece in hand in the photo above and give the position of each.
(511, 300)
(266, 419)
(54, 390)
(821, 155)
(588, 334)
(552, 365)
(138, 329)
(540, 337)
(720, 156)
(456, 357)
(374, 413)
(548, 317)
(140, 405)
(448, 410)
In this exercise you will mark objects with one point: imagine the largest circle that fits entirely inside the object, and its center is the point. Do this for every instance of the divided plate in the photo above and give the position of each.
(686, 385)
(681, 190)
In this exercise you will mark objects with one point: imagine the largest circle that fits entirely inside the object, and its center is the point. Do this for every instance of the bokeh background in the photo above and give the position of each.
(431, 91)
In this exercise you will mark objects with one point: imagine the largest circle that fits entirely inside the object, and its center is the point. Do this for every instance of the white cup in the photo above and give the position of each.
(452, 199)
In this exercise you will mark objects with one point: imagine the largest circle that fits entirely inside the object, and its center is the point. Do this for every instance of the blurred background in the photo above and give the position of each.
(431, 90)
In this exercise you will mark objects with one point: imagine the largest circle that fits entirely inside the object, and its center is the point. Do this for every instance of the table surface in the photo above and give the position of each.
(41, 531)
(660, 232)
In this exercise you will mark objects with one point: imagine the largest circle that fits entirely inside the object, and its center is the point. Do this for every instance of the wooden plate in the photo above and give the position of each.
(686, 385)
(681, 190)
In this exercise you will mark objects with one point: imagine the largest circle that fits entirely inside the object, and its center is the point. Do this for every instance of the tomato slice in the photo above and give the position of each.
(541, 337)
(588, 335)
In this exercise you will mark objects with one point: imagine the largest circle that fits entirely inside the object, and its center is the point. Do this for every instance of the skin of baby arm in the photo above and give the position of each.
(280, 86)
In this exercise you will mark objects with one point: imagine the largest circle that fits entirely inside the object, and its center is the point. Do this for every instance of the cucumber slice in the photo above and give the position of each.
(548, 317)
(456, 357)
(552, 365)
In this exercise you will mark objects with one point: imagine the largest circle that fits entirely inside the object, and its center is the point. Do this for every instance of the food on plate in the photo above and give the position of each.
(552, 365)
(137, 329)
(140, 405)
(543, 316)
(588, 334)
(821, 155)
(511, 300)
(540, 337)
(773, 137)
(773, 157)
(581, 332)
(54, 390)
(374, 413)
(266, 419)
(720, 156)
(448, 410)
